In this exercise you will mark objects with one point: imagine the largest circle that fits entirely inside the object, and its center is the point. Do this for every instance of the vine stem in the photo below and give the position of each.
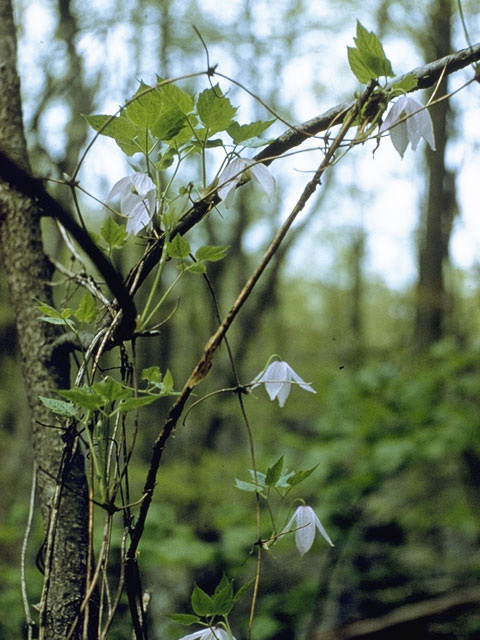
(204, 364)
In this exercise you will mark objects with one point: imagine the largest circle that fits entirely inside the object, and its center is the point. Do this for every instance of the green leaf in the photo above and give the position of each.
(111, 390)
(300, 476)
(223, 597)
(117, 127)
(260, 477)
(167, 387)
(196, 267)
(242, 591)
(241, 132)
(168, 124)
(274, 472)
(152, 374)
(63, 321)
(130, 139)
(255, 143)
(83, 397)
(53, 316)
(202, 603)
(87, 309)
(184, 618)
(165, 160)
(114, 234)
(178, 247)
(284, 481)
(211, 253)
(406, 84)
(246, 486)
(54, 313)
(173, 96)
(185, 134)
(215, 110)
(60, 407)
(368, 60)
(130, 404)
(144, 110)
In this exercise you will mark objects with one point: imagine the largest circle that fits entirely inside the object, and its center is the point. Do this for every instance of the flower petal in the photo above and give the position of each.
(262, 175)
(142, 183)
(138, 219)
(298, 380)
(394, 114)
(276, 381)
(420, 126)
(305, 534)
(399, 138)
(321, 529)
(118, 188)
(230, 177)
(193, 636)
(289, 526)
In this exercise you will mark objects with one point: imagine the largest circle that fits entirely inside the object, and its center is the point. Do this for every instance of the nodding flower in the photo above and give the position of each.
(417, 125)
(137, 200)
(278, 378)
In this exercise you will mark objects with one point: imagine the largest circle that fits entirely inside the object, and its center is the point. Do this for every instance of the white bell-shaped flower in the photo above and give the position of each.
(137, 200)
(305, 522)
(278, 378)
(212, 633)
(233, 173)
(412, 129)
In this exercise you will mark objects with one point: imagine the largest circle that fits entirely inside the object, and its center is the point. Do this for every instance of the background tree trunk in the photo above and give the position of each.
(440, 201)
(28, 273)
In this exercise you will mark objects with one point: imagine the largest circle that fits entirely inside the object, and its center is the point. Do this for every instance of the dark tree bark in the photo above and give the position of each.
(28, 273)
(441, 205)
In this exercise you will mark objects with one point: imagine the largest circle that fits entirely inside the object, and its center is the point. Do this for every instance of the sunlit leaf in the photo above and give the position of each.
(242, 132)
(114, 234)
(368, 60)
(87, 309)
(179, 247)
(215, 110)
(211, 253)
(202, 603)
(60, 407)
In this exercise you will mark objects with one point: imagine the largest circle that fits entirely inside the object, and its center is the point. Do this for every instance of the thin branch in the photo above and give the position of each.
(204, 364)
(426, 76)
(32, 187)
(29, 620)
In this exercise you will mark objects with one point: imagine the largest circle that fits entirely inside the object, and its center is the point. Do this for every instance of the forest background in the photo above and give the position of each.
(374, 299)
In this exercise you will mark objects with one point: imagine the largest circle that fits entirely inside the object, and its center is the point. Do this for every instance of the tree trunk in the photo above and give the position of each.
(28, 273)
(440, 203)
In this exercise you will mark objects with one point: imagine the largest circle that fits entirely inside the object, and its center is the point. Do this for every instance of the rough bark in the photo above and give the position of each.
(27, 271)
(440, 203)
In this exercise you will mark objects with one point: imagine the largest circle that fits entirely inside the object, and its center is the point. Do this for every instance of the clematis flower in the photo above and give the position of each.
(304, 521)
(212, 633)
(137, 200)
(232, 174)
(278, 378)
(410, 130)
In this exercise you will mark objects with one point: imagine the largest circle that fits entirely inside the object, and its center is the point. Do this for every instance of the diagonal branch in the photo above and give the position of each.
(23, 182)
(426, 76)
(205, 362)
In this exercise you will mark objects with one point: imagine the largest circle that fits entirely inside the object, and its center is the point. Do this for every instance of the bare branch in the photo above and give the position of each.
(20, 180)
(426, 76)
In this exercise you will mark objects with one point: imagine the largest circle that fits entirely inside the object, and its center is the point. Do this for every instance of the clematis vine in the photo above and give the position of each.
(278, 378)
(212, 633)
(233, 173)
(137, 200)
(416, 126)
(304, 522)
